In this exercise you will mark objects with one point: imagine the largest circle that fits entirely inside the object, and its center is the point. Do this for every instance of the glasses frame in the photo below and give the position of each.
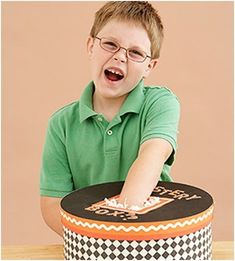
(120, 47)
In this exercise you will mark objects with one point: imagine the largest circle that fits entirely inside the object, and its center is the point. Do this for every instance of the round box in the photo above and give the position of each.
(177, 226)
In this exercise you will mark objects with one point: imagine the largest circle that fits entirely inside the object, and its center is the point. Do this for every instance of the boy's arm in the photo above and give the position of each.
(144, 173)
(50, 209)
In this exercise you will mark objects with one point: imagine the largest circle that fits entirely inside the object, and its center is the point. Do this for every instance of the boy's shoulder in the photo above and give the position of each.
(68, 111)
(156, 92)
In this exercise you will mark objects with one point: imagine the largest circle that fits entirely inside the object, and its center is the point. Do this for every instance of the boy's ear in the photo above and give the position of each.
(90, 44)
(150, 67)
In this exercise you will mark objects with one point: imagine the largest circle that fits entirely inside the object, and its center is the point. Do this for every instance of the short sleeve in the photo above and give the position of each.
(162, 120)
(56, 178)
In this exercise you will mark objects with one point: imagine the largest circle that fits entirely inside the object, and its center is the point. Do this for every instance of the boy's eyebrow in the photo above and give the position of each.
(116, 40)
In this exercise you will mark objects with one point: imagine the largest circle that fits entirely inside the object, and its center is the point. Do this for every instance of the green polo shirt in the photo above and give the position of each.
(83, 149)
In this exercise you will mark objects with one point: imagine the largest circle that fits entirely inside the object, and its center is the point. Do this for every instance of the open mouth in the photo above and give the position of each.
(113, 75)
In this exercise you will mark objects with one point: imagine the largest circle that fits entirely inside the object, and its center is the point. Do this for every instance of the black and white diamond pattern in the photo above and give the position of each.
(196, 246)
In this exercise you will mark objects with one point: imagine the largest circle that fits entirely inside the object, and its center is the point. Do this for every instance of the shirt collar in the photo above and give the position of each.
(86, 108)
(134, 100)
(132, 103)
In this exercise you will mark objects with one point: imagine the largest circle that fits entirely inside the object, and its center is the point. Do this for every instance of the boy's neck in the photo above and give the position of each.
(107, 107)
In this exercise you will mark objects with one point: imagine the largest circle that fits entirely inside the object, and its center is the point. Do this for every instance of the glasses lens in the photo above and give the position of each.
(109, 45)
(136, 55)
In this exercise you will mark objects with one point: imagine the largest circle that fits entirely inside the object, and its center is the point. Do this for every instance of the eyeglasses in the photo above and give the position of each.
(133, 54)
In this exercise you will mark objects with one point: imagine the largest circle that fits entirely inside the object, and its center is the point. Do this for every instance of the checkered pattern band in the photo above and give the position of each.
(196, 246)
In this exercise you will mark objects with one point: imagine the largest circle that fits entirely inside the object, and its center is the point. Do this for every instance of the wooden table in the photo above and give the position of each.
(221, 250)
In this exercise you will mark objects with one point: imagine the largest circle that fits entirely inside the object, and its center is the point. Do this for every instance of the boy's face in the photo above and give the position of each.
(105, 63)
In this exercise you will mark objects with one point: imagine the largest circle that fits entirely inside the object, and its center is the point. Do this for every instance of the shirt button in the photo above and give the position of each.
(109, 132)
(100, 119)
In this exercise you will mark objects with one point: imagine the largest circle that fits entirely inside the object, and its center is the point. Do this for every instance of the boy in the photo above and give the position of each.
(119, 130)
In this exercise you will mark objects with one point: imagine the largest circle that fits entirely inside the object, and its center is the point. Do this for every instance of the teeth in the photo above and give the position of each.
(116, 72)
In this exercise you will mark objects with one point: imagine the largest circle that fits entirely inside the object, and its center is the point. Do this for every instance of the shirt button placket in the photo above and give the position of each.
(110, 144)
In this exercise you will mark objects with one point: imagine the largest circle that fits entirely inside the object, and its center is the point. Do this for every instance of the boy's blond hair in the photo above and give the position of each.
(139, 12)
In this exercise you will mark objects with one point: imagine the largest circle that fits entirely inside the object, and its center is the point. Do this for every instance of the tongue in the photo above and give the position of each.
(112, 76)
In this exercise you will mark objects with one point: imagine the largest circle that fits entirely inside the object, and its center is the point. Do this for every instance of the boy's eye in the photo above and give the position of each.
(110, 45)
(134, 53)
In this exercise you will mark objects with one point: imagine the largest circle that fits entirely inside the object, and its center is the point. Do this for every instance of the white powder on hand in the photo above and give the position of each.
(148, 203)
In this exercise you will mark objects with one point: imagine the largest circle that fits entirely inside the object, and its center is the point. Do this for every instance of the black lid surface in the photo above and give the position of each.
(185, 201)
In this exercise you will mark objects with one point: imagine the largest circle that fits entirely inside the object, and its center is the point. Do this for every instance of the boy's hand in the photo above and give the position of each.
(144, 173)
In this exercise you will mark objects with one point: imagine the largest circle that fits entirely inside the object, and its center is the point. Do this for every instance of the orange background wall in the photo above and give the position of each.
(45, 66)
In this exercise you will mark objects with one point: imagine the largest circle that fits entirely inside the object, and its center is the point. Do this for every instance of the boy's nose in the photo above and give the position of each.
(121, 55)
